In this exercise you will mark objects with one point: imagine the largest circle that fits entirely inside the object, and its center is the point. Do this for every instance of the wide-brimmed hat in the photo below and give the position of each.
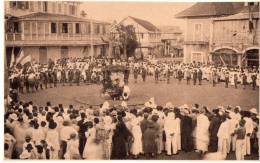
(253, 111)
(13, 116)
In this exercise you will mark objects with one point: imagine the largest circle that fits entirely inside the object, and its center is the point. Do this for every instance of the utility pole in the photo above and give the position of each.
(91, 39)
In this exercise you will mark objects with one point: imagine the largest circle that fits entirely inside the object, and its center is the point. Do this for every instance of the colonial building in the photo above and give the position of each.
(52, 30)
(235, 39)
(199, 25)
(148, 35)
(172, 39)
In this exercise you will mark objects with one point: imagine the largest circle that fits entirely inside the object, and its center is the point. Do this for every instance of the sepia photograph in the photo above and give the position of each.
(124, 80)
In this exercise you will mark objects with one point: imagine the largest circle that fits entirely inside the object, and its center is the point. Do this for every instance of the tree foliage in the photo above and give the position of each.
(127, 39)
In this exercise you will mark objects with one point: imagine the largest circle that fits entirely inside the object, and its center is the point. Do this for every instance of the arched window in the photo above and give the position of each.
(225, 56)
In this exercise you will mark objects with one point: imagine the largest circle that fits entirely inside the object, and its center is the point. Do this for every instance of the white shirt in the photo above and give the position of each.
(66, 131)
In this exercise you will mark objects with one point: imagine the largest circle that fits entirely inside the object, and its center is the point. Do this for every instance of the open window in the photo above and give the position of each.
(53, 28)
(64, 28)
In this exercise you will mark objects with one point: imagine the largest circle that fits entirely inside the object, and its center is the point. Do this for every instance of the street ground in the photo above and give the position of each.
(178, 94)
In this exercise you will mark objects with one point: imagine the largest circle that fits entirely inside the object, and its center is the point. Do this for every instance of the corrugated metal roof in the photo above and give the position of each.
(56, 17)
(147, 25)
(170, 29)
(206, 9)
(239, 16)
(243, 14)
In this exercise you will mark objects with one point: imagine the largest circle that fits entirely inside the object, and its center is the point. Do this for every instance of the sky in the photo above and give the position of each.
(158, 13)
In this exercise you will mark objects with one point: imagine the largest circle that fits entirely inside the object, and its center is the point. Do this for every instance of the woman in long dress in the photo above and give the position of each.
(202, 132)
(52, 138)
(93, 149)
(150, 136)
(119, 139)
(137, 134)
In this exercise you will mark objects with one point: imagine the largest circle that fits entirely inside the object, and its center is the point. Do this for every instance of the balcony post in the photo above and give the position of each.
(31, 30)
(37, 37)
(44, 36)
(22, 32)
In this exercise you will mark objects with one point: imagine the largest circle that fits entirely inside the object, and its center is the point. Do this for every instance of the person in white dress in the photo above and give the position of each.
(72, 151)
(52, 138)
(202, 132)
(137, 134)
(93, 149)
(223, 136)
(37, 134)
(171, 134)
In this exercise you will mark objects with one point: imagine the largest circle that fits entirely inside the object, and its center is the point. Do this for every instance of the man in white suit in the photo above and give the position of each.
(170, 128)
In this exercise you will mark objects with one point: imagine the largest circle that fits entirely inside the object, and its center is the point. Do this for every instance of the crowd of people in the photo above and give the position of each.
(71, 71)
(123, 132)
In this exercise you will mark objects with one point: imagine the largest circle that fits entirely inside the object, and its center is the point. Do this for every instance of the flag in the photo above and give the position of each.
(20, 56)
(26, 60)
(12, 58)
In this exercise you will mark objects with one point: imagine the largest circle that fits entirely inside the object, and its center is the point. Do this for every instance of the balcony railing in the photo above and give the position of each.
(51, 37)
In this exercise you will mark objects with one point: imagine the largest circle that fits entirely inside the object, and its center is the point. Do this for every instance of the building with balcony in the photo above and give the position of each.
(148, 36)
(235, 38)
(52, 30)
(199, 28)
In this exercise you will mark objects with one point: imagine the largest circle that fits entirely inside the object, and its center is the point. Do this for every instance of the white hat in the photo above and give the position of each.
(185, 106)
(105, 105)
(168, 105)
(25, 155)
(253, 110)
(147, 104)
(78, 118)
(171, 114)
(185, 111)
(124, 104)
(13, 116)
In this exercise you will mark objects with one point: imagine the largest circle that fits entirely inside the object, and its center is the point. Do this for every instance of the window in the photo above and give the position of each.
(43, 55)
(72, 10)
(97, 30)
(13, 4)
(142, 35)
(45, 6)
(16, 27)
(64, 52)
(39, 6)
(31, 6)
(197, 57)
(65, 9)
(53, 7)
(104, 29)
(22, 5)
(53, 28)
(77, 27)
(88, 28)
(64, 28)
(197, 32)
(59, 8)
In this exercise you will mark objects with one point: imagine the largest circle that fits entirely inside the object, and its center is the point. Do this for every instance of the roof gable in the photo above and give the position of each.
(147, 25)
(208, 9)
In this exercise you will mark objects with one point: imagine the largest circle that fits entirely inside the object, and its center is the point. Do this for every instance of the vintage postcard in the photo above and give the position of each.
(131, 80)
